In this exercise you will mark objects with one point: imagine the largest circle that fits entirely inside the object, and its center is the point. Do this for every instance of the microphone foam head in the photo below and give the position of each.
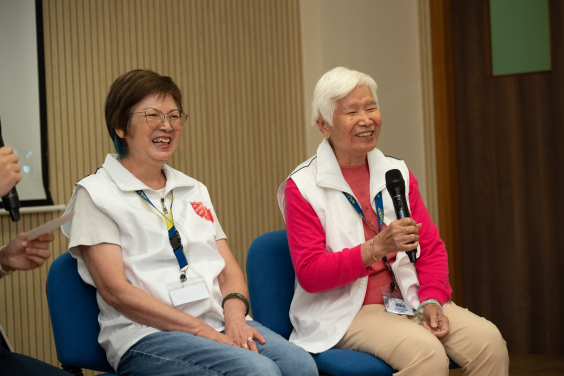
(394, 179)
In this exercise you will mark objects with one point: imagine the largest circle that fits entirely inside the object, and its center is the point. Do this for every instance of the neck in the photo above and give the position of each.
(150, 174)
(350, 160)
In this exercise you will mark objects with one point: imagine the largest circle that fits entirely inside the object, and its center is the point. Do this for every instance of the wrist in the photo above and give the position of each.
(423, 304)
(370, 252)
(377, 250)
(5, 268)
(234, 309)
(231, 300)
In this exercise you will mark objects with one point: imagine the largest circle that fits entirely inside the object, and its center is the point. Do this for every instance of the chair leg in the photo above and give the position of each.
(72, 370)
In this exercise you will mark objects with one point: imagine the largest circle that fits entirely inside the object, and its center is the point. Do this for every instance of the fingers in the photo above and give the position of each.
(405, 222)
(399, 236)
(10, 162)
(412, 230)
(251, 340)
(9, 169)
(38, 253)
(46, 238)
(37, 261)
(259, 336)
(434, 320)
(437, 332)
(16, 167)
(6, 150)
(218, 337)
(226, 340)
(37, 244)
(253, 346)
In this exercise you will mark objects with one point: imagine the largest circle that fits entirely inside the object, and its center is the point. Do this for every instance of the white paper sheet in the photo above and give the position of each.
(49, 226)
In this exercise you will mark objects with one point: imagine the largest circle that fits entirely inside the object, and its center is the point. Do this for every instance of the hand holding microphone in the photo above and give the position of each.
(9, 170)
(396, 188)
(399, 236)
(9, 177)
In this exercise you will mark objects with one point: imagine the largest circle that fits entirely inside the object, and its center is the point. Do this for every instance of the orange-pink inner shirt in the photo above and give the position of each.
(358, 179)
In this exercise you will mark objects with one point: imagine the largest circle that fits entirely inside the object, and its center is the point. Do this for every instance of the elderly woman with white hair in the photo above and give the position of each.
(357, 288)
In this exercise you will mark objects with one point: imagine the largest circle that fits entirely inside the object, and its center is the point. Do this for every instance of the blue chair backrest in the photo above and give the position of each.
(270, 276)
(74, 315)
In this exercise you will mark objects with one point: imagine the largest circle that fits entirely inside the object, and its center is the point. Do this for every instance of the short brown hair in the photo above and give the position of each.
(128, 90)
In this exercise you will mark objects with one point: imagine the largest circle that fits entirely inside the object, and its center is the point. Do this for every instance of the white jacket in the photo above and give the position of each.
(321, 319)
(147, 254)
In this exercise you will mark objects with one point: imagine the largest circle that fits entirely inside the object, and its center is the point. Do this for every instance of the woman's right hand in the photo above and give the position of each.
(399, 236)
(9, 170)
(210, 333)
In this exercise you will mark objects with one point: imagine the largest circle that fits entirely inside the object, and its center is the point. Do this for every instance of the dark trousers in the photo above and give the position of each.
(12, 364)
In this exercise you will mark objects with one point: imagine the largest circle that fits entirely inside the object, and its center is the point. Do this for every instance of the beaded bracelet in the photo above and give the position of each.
(238, 296)
(428, 301)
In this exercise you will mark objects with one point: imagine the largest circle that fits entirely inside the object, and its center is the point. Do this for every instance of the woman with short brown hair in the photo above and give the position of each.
(172, 298)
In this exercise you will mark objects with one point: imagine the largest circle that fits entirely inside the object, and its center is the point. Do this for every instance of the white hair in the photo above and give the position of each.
(334, 86)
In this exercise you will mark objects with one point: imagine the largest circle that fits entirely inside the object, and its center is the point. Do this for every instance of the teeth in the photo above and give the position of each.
(160, 140)
(365, 134)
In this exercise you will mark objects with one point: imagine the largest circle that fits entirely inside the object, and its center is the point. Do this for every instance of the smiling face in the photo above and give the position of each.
(356, 127)
(147, 146)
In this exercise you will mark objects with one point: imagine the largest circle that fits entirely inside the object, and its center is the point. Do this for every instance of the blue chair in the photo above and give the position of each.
(74, 315)
(270, 276)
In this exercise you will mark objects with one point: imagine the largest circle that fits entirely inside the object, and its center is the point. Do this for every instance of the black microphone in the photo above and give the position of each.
(11, 201)
(396, 188)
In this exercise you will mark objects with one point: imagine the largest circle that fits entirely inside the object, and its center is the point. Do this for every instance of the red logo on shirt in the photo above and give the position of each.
(202, 211)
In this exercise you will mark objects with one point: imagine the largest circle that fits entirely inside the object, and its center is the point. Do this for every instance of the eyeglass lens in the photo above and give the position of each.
(156, 119)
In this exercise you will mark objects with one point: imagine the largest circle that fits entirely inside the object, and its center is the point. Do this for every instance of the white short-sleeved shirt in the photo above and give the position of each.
(109, 209)
(92, 226)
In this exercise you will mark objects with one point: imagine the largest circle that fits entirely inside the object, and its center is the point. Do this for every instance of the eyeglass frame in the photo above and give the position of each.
(183, 123)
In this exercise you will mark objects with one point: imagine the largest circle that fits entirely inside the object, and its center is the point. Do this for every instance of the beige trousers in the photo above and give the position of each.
(474, 343)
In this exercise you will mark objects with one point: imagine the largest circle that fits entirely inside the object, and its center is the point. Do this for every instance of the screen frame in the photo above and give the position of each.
(48, 201)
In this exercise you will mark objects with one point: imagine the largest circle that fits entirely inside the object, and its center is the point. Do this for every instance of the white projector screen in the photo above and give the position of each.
(22, 96)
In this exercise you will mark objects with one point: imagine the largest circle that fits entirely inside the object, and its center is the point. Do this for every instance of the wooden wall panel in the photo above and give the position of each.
(445, 141)
(238, 64)
(509, 138)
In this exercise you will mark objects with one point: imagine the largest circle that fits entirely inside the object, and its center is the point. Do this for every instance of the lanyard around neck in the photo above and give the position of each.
(379, 209)
(173, 235)
(380, 213)
(169, 222)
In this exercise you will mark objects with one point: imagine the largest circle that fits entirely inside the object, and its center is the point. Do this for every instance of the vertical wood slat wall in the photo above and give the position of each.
(238, 64)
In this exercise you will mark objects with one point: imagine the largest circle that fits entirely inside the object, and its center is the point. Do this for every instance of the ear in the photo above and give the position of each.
(120, 133)
(323, 127)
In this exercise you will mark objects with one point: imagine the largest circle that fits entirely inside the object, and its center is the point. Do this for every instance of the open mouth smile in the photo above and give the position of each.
(365, 134)
(161, 141)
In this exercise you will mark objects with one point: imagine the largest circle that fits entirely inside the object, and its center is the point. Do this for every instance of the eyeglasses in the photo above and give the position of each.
(156, 118)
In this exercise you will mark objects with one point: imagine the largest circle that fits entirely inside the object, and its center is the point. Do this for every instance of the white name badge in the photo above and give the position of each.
(187, 291)
(394, 302)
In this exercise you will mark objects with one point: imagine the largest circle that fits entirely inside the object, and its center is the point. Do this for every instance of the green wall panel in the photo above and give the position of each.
(520, 36)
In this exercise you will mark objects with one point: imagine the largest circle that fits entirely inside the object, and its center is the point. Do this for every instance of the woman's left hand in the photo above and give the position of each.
(239, 331)
(20, 254)
(435, 321)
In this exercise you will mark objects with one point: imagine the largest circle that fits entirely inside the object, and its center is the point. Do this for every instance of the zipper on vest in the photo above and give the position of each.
(164, 206)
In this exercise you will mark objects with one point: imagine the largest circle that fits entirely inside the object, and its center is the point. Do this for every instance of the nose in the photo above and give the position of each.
(364, 119)
(164, 123)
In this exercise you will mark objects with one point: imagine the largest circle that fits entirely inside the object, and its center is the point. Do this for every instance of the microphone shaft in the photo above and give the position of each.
(396, 188)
